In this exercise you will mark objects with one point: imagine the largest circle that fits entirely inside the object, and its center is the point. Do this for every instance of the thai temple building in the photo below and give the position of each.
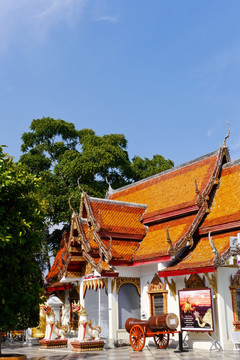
(166, 244)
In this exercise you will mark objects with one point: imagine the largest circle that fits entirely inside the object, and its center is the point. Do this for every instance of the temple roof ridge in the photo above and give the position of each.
(175, 168)
(117, 202)
(231, 163)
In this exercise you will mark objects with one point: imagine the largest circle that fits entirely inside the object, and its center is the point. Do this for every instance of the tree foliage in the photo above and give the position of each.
(60, 154)
(145, 167)
(21, 224)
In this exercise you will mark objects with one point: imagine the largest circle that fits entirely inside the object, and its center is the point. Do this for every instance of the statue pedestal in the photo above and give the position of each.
(87, 345)
(53, 344)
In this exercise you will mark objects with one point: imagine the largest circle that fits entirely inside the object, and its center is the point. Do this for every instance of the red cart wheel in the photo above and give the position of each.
(161, 340)
(137, 337)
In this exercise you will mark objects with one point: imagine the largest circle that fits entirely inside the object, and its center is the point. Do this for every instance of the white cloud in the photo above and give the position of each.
(112, 19)
(33, 19)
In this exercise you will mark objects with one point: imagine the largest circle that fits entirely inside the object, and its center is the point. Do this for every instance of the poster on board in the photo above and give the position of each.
(196, 310)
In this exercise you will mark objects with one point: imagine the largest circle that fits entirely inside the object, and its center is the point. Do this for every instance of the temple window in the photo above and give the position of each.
(235, 293)
(157, 296)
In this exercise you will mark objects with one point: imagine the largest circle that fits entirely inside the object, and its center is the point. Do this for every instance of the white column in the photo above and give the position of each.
(110, 308)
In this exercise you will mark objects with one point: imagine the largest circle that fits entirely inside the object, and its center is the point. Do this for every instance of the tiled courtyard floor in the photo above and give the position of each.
(121, 353)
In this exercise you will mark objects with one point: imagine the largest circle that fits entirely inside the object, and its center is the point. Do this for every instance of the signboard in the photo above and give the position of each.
(196, 310)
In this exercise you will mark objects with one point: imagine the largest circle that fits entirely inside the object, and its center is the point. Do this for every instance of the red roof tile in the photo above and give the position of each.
(155, 242)
(59, 260)
(226, 203)
(202, 255)
(171, 190)
(118, 217)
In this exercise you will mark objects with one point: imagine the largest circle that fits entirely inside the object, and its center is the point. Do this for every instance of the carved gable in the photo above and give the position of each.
(194, 282)
(156, 284)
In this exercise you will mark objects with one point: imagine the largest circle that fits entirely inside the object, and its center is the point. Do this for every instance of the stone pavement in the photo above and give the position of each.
(120, 353)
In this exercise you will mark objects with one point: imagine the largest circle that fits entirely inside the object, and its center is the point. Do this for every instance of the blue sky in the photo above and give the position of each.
(164, 73)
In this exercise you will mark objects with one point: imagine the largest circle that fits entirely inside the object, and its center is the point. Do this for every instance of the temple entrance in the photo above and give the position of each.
(128, 303)
(96, 305)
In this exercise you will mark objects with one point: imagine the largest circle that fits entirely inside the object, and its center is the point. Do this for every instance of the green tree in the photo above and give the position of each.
(147, 167)
(21, 224)
(60, 154)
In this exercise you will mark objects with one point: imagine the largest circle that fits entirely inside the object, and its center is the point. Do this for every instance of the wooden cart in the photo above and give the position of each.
(159, 327)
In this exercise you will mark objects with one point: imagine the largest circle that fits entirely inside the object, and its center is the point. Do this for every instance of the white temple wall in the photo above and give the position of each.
(224, 306)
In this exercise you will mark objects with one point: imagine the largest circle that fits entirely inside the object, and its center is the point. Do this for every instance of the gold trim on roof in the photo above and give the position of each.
(212, 282)
(125, 280)
(156, 285)
(194, 282)
(113, 282)
(172, 286)
(94, 284)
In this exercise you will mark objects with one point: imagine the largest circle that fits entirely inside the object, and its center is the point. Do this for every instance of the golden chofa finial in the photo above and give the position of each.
(227, 136)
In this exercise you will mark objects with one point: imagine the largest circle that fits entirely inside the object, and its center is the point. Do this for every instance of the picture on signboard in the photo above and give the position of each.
(196, 310)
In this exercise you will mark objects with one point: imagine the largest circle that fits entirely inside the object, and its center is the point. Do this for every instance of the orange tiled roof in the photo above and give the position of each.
(202, 255)
(57, 265)
(121, 249)
(124, 250)
(226, 204)
(155, 242)
(170, 190)
(118, 217)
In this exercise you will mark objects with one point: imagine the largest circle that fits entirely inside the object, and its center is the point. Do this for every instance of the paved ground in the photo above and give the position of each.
(121, 353)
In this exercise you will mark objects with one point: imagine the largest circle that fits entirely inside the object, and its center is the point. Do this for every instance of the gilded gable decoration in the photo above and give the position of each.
(113, 282)
(212, 282)
(125, 280)
(156, 285)
(92, 234)
(172, 286)
(235, 281)
(194, 282)
(95, 284)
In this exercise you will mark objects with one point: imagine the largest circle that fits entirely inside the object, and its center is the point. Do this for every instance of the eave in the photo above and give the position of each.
(122, 236)
(140, 262)
(59, 287)
(219, 228)
(170, 215)
(189, 271)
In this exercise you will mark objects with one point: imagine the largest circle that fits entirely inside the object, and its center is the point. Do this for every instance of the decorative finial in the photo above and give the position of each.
(70, 205)
(214, 250)
(110, 190)
(79, 186)
(227, 136)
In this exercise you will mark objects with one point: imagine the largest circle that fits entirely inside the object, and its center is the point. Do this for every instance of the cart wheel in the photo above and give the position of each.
(137, 337)
(161, 340)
